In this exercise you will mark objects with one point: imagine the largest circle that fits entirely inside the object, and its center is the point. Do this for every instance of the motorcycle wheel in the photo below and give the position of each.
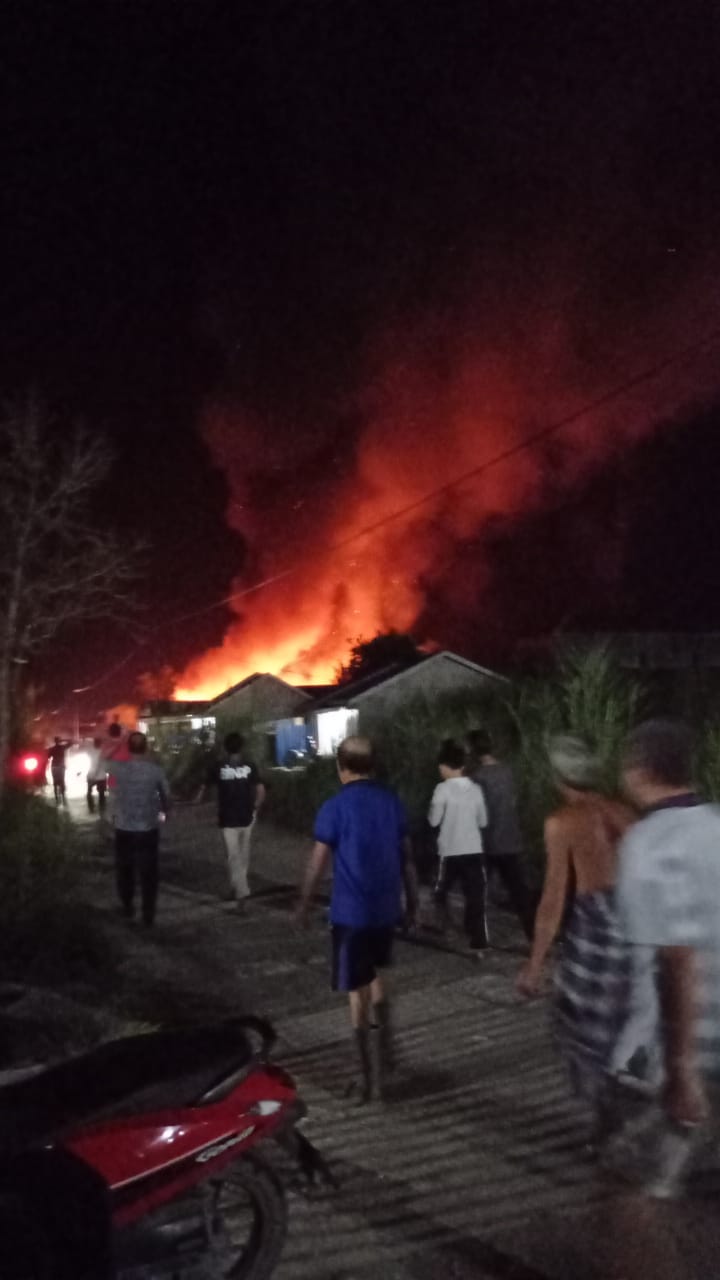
(249, 1213)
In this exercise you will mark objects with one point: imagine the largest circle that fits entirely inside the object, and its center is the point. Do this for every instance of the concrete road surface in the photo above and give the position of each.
(477, 1167)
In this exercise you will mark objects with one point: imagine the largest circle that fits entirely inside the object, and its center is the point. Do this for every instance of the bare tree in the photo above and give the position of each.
(56, 565)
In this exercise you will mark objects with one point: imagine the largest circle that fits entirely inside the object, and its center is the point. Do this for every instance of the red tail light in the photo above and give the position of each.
(30, 764)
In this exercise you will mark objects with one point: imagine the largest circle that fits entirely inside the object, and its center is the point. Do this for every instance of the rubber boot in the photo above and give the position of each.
(379, 1069)
(383, 1024)
(360, 1090)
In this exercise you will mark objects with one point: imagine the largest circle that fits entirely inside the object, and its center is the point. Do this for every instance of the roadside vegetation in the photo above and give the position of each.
(46, 931)
(586, 693)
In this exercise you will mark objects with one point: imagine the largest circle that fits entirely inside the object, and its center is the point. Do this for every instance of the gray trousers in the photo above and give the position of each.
(237, 848)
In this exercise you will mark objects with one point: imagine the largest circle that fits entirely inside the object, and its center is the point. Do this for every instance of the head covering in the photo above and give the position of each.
(573, 762)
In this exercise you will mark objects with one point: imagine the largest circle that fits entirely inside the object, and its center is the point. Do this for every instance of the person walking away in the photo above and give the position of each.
(364, 831)
(592, 978)
(458, 810)
(669, 907)
(141, 795)
(57, 761)
(240, 796)
(503, 836)
(97, 777)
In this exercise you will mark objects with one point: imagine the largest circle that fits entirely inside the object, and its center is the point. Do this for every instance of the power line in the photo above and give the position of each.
(537, 437)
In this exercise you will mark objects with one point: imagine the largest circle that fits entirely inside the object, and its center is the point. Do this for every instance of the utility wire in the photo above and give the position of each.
(537, 437)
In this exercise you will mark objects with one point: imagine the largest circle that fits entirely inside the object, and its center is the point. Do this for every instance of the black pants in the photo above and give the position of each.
(510, 870)
(469, 870)
(101, 785)
(136, 855)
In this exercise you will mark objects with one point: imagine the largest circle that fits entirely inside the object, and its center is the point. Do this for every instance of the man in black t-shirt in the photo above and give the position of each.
(240, 795)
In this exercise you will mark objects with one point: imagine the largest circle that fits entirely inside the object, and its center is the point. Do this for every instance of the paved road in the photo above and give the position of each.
(476, 1169)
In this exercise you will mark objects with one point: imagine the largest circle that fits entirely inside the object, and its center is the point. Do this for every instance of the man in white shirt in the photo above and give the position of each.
(458, 810)
(669, 904)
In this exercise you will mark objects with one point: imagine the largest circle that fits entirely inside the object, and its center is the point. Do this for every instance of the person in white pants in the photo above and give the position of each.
(237, 847)
(240, 795)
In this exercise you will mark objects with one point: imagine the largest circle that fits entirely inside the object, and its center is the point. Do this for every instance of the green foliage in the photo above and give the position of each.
(186, 760)
(708, 762)
(186, 767)
(369, 656)
(295, 795)
(587, 695)
(46, 932)
(407, 743)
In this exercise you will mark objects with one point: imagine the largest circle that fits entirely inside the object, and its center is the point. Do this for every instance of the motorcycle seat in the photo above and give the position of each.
(161, 1070)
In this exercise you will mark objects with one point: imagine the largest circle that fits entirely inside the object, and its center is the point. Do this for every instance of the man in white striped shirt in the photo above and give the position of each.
(669, 904)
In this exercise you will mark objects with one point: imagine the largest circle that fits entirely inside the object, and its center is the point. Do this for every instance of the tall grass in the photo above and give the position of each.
(46, 932)
(407, 742)
(588, 695)
(707, 767)
(295, 795)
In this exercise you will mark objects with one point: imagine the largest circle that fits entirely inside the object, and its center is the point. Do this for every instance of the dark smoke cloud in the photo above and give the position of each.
(481, 228)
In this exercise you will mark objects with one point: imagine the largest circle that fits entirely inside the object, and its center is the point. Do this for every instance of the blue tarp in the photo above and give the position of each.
(289, 737)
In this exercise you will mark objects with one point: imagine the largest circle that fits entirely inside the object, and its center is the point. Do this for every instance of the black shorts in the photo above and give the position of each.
(358, 954)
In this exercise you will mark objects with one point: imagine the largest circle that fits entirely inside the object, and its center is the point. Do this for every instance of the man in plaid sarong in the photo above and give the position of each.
(581, 839)
(592, 984)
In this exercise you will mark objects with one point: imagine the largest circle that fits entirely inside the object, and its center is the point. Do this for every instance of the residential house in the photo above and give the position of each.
(339, 711)
(174, 724)
(274, 709)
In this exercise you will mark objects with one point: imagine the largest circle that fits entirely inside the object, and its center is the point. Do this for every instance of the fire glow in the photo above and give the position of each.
(422, 430)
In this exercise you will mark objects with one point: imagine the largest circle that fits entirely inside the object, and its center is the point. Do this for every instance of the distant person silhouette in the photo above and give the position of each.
(56, 760)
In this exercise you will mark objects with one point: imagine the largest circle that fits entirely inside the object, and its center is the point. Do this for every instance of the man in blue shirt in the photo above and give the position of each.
(364, 829)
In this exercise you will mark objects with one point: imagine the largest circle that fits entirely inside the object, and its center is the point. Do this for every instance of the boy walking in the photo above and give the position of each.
(364, 830)
(458, 810)
(240, 795)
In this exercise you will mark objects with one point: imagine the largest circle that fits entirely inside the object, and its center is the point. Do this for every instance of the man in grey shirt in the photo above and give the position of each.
(141, 795)
(503, 837)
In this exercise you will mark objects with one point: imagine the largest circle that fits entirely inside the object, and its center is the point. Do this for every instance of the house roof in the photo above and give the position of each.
(315, 690)
(175, 710)
(348, 694)
(340, 694)
(303, 691)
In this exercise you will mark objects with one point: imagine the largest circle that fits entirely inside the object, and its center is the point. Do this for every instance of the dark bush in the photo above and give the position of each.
(295, 795)
(46, 930)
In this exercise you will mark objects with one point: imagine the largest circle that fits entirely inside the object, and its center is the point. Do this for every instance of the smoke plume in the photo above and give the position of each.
(437, 398)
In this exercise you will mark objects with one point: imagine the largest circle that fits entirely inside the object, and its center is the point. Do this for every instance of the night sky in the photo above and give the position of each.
(247, 213)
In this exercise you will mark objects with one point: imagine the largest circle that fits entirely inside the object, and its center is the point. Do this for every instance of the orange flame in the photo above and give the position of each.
(423, 429)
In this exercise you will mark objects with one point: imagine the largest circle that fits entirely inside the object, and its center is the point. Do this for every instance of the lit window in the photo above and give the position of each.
(333, 726)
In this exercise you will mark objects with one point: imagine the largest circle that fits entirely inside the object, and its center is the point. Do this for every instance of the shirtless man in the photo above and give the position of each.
(593, 975)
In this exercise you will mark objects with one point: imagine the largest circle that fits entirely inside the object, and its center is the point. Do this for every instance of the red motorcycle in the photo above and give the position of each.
(139, 1160)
